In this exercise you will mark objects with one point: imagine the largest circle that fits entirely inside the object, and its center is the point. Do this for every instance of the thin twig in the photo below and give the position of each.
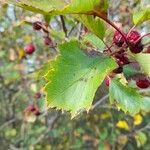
(63, 25)
(100, 101)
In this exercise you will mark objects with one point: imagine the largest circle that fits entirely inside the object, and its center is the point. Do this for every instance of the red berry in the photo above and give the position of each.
(29, 49)
(37, 113)
(107, 81)
(118, 39)
(134, 37)
(134, 41)
(143, 83)
(148, 50)
(137, 48)
(37, 25)
(118, 70)
(121, 59)
(47, 41)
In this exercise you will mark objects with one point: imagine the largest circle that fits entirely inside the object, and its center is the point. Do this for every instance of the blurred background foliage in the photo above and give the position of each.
(103, 128)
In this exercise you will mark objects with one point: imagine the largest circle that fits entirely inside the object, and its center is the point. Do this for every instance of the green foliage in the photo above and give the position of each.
(140, 138)
(146, 104)
(125, 97)
(141, 16)
(95, 25)
(62, 7)
(71, 76)
(143, 60)
(95, 41)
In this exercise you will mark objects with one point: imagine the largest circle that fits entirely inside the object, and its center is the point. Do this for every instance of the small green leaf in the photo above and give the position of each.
(146, 104)
(74, 78)
(141, 16)
(95, 25)
(141, 138)
(129, 71)
(95, 41)
(127, 98)
(144, 61)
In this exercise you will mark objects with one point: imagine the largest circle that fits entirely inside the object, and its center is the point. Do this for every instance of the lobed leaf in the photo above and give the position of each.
(127, 98)
(74, 78)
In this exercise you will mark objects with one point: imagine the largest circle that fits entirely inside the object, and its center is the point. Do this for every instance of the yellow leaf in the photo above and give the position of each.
(123, 125)
(21, 53)
(137, 119)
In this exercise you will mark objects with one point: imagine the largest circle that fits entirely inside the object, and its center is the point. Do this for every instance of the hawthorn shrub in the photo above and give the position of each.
(78, 49)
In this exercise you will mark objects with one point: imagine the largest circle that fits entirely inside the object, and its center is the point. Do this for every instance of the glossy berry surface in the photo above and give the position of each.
(133, 37)
(118, 39)
(143, 83)
(29, 49)
(136, 48)
(37, 25)
(47, 41)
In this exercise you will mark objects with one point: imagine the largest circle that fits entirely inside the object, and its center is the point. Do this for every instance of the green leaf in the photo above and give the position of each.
(95, 41)
(95, 25)
(129, 71)
(146, 104)
(141, 16)
(58, 7)
(144, 61)
(141, 138)
(74, 78)
(127, 98)
(40, 6)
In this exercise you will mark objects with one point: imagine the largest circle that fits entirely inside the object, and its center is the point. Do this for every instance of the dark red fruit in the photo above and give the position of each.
(134, 41)
(107, 81)
(118, 39)
(134, 37)
(33, 109)
(118, 70)
(47, 41)
(137, 48)
(37, 25)
(37, 113)
(143, 83)
(121, 59)
(29, 49)
(148, 50)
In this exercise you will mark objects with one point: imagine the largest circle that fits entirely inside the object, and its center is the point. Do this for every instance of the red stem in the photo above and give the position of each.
(142, 37)
(145, 35)
(112, 24)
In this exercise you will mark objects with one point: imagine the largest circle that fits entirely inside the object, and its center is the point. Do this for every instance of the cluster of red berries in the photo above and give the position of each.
(133, 42)
(30, 48)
